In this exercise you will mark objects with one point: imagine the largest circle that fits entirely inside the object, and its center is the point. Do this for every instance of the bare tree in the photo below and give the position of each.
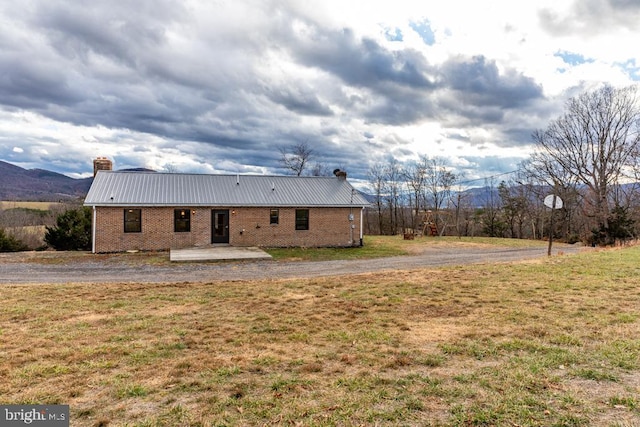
(491, 213)
(461, 205)
(594, 143)
(464, 214)
(544, 176)
(393, 196)
(515, 198)
(170, 168)
(376, 175)
(414, 174)
(296, 157)
(320, 169)
(439, 181)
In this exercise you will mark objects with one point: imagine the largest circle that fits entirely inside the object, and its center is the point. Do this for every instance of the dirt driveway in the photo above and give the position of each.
(48, 267)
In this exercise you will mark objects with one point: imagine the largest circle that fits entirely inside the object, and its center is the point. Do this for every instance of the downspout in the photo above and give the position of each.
(351, 224)
(361, 227)
(93, 232)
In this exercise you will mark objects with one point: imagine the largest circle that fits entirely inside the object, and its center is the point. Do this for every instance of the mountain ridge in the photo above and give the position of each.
(19, 184)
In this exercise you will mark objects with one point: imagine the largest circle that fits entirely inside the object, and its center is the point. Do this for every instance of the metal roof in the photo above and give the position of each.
(115, 188)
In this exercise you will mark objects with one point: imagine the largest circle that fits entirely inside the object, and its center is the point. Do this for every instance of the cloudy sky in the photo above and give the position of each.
(218, 86)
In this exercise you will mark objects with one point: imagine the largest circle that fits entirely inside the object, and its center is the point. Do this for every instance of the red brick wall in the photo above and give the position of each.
(247, 227)
(327, 227)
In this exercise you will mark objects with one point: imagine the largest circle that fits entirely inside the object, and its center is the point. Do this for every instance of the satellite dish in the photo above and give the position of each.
(548, 202)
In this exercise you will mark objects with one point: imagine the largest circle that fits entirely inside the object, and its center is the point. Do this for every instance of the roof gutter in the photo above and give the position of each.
(213, 205)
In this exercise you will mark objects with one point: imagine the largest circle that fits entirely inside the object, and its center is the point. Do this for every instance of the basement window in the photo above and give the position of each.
(181, 220)
(302, 219)
(274, 216)
(133, 220)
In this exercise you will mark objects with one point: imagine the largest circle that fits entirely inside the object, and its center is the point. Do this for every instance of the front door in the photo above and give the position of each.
(220, 226)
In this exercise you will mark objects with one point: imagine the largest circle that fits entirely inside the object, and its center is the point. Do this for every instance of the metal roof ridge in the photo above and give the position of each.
(213, 174)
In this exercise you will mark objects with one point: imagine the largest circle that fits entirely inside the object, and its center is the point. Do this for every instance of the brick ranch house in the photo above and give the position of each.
(160, 211)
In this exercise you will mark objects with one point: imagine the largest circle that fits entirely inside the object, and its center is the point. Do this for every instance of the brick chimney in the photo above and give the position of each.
(340, 174)
(102, 164)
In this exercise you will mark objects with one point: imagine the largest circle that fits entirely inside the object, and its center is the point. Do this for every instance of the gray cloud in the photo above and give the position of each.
(478, 82)
(35, 85)
(397, 83)
(301, 101)
(362, 63)
(591, 17)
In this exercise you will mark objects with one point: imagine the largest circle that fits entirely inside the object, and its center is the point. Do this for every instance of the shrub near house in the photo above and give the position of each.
(71, 232)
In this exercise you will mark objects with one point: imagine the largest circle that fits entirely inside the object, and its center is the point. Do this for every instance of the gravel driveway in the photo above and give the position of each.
(34, 268)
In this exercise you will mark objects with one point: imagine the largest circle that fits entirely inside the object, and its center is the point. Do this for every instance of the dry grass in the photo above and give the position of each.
(386, 246)
(32, 235)
(42, 206)
(551, 342)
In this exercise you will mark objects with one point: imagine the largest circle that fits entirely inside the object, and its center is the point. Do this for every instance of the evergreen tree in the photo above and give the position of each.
(71, 232)
(621, 227)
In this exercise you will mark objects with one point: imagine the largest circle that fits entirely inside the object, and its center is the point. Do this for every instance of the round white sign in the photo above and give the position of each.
(548, 202)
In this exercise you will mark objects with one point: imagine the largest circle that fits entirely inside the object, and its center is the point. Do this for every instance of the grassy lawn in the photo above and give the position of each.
(384, 246)
(555, 341)
(374, 247)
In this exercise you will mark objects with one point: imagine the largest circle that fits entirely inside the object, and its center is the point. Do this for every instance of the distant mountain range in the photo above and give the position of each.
(21, 184)
(39, 185)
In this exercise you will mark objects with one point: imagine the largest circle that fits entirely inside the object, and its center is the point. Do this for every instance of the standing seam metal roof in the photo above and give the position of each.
(113, 188)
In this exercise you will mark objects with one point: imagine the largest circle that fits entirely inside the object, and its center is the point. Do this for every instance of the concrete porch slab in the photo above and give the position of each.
(217, 253)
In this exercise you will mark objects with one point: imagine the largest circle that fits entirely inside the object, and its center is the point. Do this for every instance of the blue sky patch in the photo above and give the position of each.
(572, 58)
(423, 28)
(631, 68)
(393, 34)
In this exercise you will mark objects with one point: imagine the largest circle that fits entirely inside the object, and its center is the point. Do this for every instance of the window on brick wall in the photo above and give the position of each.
(133, 220)
(274, 216)
(302, 219)
(181, 220)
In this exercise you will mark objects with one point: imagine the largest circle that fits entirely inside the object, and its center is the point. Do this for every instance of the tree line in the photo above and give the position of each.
(589, 157)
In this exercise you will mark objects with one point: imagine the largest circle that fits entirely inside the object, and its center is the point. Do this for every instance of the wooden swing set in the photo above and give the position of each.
(428, 226)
